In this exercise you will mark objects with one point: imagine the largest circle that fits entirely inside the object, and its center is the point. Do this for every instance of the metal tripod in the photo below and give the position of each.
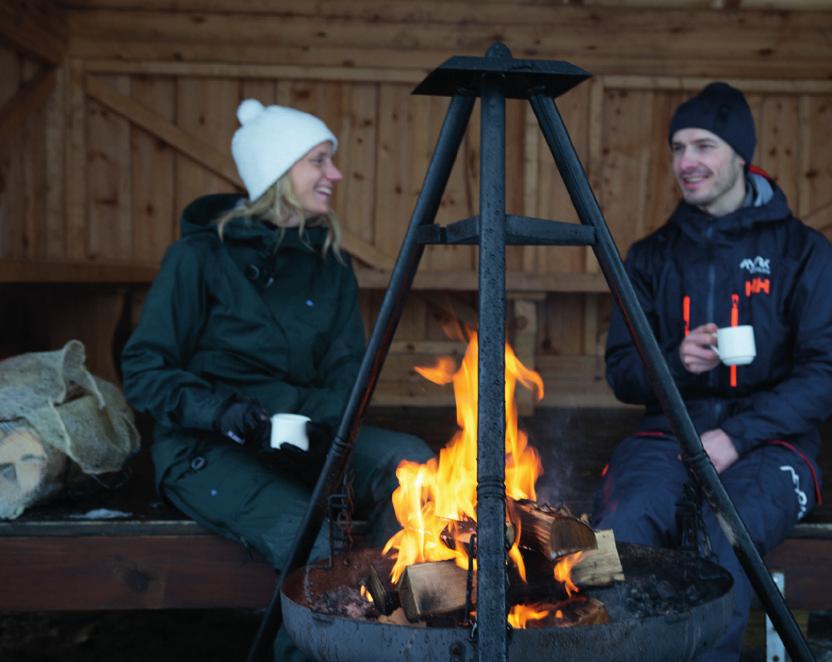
(494, 78)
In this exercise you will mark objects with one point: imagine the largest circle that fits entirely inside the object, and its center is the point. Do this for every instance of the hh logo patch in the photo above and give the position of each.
(757, 285)
(757, 265)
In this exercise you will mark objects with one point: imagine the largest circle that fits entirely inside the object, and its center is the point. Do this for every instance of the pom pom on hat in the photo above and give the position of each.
(722, 110)
(270, 140)
(248, 110)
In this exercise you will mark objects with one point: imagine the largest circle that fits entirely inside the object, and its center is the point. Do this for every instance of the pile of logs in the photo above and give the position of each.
(546, 535)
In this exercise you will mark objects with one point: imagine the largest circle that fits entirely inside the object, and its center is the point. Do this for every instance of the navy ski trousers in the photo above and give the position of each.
(771, 486)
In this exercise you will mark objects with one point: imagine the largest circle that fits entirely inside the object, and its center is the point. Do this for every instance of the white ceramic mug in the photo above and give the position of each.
(735, 344)
(289, 429)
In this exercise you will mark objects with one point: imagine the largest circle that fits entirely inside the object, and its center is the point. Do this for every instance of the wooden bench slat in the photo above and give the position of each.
(203, 571)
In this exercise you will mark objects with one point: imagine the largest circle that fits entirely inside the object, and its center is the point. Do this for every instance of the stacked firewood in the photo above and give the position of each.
(546, 536)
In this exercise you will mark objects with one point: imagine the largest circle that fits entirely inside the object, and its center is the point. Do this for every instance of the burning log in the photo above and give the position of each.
(461, 531)
(550, 531)
(601, 566)
(590, 612)
(381, 589)
(433, 589)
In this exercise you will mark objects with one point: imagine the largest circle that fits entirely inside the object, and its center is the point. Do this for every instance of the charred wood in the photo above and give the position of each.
(377, 581)
(462, 531)
(553, 532)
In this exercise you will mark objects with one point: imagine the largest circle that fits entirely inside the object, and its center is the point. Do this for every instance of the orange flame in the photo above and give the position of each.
(522, 614)
(434, 495)
(563, 572)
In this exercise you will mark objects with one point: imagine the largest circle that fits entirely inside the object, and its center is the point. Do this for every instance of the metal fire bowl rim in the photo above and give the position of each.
(677, 636)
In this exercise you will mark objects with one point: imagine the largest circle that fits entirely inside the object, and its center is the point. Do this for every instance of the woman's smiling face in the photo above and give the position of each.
(313, 179)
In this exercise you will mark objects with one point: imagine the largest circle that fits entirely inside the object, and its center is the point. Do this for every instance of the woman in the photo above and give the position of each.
(254, 312)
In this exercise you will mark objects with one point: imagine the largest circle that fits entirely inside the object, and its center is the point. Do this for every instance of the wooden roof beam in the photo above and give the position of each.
(34, 28)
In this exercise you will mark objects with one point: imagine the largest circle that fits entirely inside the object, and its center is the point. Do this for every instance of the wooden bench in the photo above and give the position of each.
(157, 559)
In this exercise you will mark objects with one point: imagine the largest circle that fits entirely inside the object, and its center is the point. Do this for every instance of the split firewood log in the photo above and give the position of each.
(554, 532)
(433, 589)
(29, 469)
(601, 566)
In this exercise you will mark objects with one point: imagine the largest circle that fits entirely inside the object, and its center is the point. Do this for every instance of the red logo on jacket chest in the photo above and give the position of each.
(757, 285)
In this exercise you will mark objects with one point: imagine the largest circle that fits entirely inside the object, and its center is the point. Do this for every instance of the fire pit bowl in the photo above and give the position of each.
(672, 606)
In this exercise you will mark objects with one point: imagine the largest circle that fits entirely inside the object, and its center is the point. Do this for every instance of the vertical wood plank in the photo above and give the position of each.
(11, 171)
(661, 191)
(628, 122)
(778, 142)
(515, 173)
(818, 173)
(356, 134)
(553, 199)
(206, 108)
(154, 217)
(400, 166)
(33, 165)
(456, 202)
(804, 150)
(562, 324)
(525, 335)
(592, 331)
(75, 160)
(531, 180)
(54, 167)
(108, 140)
(262, 89)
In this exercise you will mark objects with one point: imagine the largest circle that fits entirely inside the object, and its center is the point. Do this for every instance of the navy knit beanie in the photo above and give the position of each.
(722, 110)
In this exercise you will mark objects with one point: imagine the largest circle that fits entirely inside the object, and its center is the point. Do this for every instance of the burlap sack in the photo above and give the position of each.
(52, 411)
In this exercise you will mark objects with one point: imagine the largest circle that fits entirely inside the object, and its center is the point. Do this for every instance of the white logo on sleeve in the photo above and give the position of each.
(800, 494)
(757, 265)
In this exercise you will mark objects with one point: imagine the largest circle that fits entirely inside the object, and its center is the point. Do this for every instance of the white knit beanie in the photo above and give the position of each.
(270, 141)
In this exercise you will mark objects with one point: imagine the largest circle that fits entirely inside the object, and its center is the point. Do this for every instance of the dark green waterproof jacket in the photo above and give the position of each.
(254, 314)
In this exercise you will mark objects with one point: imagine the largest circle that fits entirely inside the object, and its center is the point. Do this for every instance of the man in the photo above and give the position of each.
(731, 253)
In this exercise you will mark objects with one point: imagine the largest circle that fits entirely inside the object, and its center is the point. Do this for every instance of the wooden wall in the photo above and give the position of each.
(115, 113)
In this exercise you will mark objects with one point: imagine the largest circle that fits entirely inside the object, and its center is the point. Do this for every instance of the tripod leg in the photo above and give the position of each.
(492, 639)
(668, 394)
(401, 280)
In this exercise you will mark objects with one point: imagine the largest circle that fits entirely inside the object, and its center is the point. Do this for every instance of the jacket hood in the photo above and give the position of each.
(199, 216)
(764, 203)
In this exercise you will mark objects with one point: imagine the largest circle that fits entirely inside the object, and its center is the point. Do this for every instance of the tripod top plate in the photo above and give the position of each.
(521, 78)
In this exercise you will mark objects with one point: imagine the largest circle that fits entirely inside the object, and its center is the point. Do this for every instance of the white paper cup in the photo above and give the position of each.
(735, 344)
(289, 429)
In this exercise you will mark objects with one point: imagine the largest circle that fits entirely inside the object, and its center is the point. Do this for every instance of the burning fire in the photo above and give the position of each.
(563, 572)
(522, 614)
(434, 498)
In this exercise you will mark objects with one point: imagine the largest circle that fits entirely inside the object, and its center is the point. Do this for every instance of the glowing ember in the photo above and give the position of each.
(563, 572)
(521, 614)
(431, 497)
(365, 593)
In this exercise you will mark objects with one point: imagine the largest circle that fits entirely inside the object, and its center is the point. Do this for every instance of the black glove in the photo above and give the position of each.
(243, 421)
(306, 464)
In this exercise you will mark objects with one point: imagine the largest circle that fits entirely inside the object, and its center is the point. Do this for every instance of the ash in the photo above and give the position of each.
(345, 601)
(653, 596)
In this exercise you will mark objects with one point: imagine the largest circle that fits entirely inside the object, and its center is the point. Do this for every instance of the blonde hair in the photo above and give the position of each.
(278, 205)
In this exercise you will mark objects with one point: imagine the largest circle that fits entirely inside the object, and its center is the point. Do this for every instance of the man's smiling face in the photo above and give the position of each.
(709, 172)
